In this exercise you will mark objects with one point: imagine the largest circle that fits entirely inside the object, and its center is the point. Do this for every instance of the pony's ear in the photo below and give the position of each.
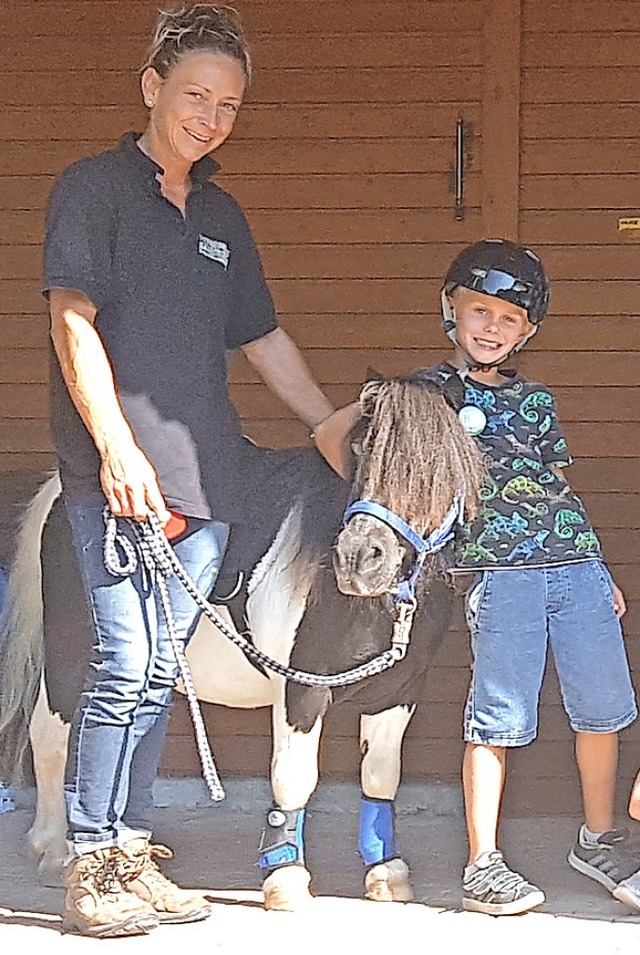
(453, 392)
(373, 375)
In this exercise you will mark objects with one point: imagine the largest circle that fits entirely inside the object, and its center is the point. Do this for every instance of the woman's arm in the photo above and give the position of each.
(281, 365)
(128, 479)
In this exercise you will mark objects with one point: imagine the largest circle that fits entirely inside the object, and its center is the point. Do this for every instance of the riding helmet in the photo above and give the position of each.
(501, 268)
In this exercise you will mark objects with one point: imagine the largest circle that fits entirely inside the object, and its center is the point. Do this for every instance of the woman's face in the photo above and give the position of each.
(193, 109)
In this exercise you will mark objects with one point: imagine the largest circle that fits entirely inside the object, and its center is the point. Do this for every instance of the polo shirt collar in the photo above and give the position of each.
(201, 171)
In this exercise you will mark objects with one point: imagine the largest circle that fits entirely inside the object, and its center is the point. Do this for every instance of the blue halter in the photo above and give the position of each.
(423, 546)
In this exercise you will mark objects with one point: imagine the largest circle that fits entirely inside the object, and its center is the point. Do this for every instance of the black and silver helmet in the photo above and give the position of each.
(503, 269)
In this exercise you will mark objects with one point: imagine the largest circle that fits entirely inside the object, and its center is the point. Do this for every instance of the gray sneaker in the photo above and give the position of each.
(490, 886)
(628, 891)
(609, 861)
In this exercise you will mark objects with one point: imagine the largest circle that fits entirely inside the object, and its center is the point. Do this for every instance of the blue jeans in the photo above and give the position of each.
(514, 616)
(119, 728)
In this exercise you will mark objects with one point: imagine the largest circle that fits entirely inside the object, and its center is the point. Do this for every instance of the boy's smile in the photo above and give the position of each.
(487, 327)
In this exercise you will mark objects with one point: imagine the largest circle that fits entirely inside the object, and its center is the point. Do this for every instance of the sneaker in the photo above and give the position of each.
(610, 860)
(628, 891)
(141, 876)
(96, 902)
(490, 886)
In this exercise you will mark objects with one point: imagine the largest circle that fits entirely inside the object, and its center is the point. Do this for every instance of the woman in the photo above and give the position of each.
(151, 275)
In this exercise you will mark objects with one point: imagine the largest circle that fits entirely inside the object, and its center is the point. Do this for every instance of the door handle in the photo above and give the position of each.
(459, 210)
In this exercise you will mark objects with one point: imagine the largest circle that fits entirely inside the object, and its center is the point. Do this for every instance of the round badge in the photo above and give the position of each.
(472, 419)
(276, 818)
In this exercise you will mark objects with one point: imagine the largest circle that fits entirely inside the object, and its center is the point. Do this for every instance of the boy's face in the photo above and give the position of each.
(487, 327)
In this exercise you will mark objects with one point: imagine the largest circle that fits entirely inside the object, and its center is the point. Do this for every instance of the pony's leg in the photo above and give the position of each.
(49, 738)
(294, 776)
(381, 736)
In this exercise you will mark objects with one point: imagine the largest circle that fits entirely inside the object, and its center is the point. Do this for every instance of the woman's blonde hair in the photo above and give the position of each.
(195, 28)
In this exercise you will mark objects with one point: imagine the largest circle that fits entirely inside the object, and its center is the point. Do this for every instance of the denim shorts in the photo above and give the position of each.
(514, 617)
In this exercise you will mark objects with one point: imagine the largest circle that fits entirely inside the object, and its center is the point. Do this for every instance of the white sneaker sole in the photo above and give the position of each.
(628, 896)
(517, 907)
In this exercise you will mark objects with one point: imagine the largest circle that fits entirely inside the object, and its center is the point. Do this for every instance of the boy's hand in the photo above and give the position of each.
(619, 603)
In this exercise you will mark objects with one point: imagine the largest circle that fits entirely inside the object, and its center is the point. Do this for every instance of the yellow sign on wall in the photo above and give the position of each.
(629, 224)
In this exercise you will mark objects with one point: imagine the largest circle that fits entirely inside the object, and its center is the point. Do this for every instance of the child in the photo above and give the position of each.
(536, 558)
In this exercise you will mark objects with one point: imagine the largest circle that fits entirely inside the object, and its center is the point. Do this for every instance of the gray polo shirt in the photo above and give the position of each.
(173, 294)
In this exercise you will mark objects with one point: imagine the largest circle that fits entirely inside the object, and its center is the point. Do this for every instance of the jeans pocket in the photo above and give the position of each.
(473, 599)
(604, 579)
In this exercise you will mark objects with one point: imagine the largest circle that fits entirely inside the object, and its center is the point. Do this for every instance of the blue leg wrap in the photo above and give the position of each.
(282, 840)
(377, 839)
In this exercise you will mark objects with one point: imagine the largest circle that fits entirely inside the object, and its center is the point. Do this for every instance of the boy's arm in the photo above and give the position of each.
(619, 603)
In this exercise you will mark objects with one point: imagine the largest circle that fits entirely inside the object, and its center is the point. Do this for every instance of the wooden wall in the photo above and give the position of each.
(343, 158)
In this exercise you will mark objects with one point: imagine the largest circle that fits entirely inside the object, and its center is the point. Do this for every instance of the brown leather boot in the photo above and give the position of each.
(97, 903)
(140, 874)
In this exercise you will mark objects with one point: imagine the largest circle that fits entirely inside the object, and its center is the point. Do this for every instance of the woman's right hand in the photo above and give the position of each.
(130, 484)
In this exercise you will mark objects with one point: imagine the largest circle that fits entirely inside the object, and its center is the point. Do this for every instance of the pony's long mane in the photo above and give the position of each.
(415, 454)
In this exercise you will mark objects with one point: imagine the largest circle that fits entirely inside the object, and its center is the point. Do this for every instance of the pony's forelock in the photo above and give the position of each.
(415, 454)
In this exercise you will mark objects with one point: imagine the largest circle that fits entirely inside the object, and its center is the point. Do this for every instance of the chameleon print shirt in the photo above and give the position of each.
(529, 515)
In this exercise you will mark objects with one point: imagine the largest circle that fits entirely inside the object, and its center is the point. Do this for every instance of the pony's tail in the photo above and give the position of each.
(21, 635)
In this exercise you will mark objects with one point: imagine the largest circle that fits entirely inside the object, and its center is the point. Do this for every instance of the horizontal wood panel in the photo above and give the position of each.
(571, 17)
(361, 260)
(365, 156)
(25, 191)
(574, 404)
(594, 49)
(546, 85)
(355, 296)
(255, 401)
(608, 369)
(338, 122)
(614, 441)
(311, 191)
(614, 368)
(579, 192)
(588, 226)
(29, 434)
(283, 121)
(387, 85)
(42, 461)
(360, 49)
(580, 156)
(96, 18)
(410, 295)
(591, 121)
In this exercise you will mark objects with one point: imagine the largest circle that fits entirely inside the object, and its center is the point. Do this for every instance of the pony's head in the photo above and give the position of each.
(413, 457)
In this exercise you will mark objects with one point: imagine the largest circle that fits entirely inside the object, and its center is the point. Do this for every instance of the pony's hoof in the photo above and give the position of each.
(287, 889)
(388, 882)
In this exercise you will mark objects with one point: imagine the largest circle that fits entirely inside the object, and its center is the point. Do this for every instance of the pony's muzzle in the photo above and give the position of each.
(367, 558)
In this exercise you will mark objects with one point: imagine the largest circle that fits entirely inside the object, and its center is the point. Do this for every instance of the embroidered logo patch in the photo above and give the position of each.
(212, 249)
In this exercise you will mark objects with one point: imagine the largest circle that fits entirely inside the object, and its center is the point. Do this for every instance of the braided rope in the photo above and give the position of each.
(159, 557)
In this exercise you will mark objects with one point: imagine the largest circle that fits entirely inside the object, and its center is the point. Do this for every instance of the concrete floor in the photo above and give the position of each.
(215, 848)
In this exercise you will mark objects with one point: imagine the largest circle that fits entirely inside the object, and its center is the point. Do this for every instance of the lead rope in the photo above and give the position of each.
(159, 558)
(160, 571)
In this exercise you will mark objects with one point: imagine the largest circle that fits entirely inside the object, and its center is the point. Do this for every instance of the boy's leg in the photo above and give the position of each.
(509, 650)
(483, 775)
(597, 759)
(597, 692)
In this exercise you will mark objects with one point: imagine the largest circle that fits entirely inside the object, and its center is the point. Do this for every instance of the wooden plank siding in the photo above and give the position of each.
(343, 158)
